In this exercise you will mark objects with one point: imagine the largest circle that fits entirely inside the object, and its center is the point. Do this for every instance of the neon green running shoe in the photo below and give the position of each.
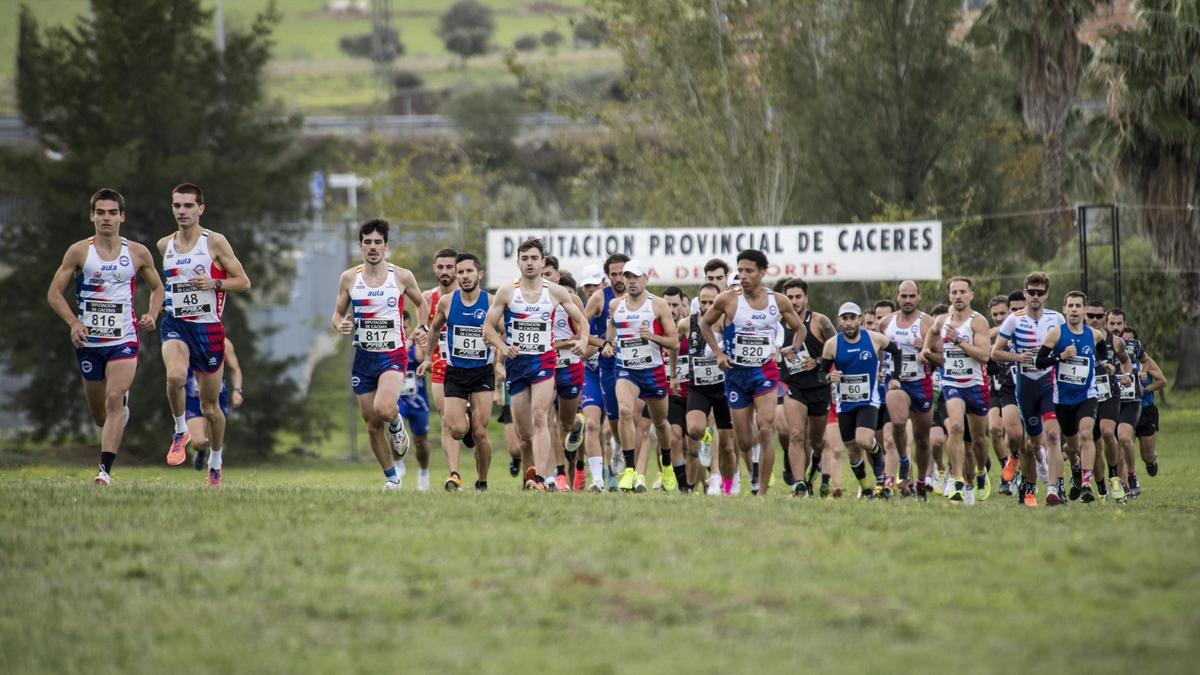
(639, 484)
(627, 478)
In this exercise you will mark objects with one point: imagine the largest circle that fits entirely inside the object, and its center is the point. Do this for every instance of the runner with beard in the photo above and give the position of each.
(1004, 418)
(684, 458)
(808, 398)
(706, 387)
(1108, 408)
(600, 383)
(913, 399)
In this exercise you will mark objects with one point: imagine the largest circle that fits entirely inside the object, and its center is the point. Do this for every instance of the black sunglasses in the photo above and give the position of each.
(1095, 316)
(1035, 292)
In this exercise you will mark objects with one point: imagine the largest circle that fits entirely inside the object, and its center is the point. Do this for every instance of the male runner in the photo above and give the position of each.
(602, 388)
(681, 469)
(197, 429)
(913, 399)
(750, 316)
(469, 376)
(1025, 330)
(1072, 350)
(200, 268)
(414, 405)
(706, 385)
(519, 325)
(959, 342)
(1131, 400)
(568, 427)
(444, 271)
(370, 305)
(640, 327)
(591, 400)
(1004, 418)
(808, 398)
(1108, 407)
(850, 362)
(1147, 426)
(104, 330)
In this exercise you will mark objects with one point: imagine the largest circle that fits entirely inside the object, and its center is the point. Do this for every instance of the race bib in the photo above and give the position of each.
(636, 352)
(1028, 369)
(793, 365)
(444, 340)
(1074, 371)
(854, 388)
(683, 367)
(188, 300)
(593, 361)
(409, 386)
(1129, 391)
(752, 350)
(705, 372)
(104, 319)
(958, 364)
(467, 343)
(377, 335)
(530, 337)
(909, 369)
(1103, 388)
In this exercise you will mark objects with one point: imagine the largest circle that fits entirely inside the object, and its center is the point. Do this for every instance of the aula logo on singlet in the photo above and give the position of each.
(374, 294)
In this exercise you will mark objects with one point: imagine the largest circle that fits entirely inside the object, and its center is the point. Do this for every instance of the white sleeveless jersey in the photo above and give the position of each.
(959, 369)
(530, 324)
(378, 313)
(635, 352)
(753, 342)
(910, 342)
(104, 291)
(184, 301)
(563, 329)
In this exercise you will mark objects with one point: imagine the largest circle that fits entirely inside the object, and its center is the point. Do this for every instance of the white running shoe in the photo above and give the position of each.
(737, 484)
(969, 494)
(401, 468)
(391, 486)
(103, 478)
(399, 438)
(714, 485)
(575, 438)
(947, 487)
(423, 480)
(938, 480)
(1043, 469)
(618, 462)
(705, 454)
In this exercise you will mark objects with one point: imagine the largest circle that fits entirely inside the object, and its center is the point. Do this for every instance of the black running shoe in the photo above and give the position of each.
(200, 459)
(514, 466)
(788, 479)
(1152, 468)
(1086, 495)
(469, 439)
(801, 489)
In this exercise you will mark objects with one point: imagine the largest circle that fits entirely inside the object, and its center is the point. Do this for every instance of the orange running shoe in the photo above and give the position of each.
(580, 478)
(1010, 469)
(178, 453)
(1030, 500)
(562, 484)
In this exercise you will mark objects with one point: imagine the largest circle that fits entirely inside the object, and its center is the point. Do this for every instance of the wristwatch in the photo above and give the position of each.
(219, 285)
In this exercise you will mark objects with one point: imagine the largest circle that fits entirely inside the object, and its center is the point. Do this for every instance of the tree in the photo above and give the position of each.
(590, 31)
(467, 28)
(364, 45)
(551, 39)
(526, 43)
(1152, 73)
(137, 98)
(1041, 37)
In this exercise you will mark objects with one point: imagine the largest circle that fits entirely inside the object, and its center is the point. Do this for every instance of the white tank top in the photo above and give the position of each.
(635, 352)
(184, 301)
(104, 291)
(910, 341)
(378, 313)
(529, 324)
(754, 332)
(563, 329)
(960, 370)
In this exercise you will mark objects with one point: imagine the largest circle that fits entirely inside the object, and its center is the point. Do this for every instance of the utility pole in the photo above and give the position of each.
(383, 52)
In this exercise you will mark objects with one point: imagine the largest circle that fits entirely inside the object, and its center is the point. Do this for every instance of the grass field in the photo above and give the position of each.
(309, 73)
(307, 567)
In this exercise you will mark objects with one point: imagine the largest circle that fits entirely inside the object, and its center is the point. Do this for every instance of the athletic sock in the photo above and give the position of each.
(860, 471)
(579, 464)
(106, 461)
(1087, 477)
(180, 424)
(987, 466)
(561, 470)
(665, 453)
(394, 425)
(1113, 472)
(755, 453)
(877, 462)
(726, 485)
(681, 477)
(905, 468)
(628, 458)
(787, 462)
(824, 479)
(214, 459)
(596, 467)
(390, 472)
(481, 485)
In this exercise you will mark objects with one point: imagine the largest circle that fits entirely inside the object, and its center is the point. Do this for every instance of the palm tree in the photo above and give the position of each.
(1040, 38)
(1152, 74)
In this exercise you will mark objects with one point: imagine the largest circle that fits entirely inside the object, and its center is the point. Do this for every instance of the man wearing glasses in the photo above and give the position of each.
(1018, 340)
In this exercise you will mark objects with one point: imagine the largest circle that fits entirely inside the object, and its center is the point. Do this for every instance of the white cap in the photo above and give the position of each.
(735, 280)
(849, 308)
(591, 275)
(635, 267)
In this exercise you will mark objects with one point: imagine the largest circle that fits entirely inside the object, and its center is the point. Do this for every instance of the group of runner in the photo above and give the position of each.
(734, 368)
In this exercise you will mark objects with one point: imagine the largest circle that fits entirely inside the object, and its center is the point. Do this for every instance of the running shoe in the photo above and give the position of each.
(580, 480)
(801, 489)
(1030, 500)
(969, 495)
(597, 487)
(618, 461)
(530, 478)
(550, 485)
(1076, 486)
(825, 492)
(391, 486)
(706, 453)
(453, 483)
(1086, 495)
(514, 466)
(714, 485)
(1011, 466)
(983, 486)
(214, 478)
(469, 439)
(1043, 469)
(1116, 489)
(922, 491)
(1053, 499)
(1135, 488)
(562, 483)
(628, 477)
(947, 486)
(1005, 488)
(102, 479)
(1152, 467)
(423, 480)
(956, 491)
(399, 437)
(639, 484)
(657, 485)
(667, 476)
(575, 438)
(837, 493)
(200, 458)
(177, 454)
(481, 486)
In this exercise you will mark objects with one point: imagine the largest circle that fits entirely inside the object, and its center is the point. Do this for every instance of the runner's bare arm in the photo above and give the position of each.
(493, 333)
(980, 347)
(789, 317)
(145, 266)
(714, 316)
(827, 330)
(412, 292)
(931, 349)
(236, 280)
(341, 319)
(1157, 379)
(435, 324)
(234, 368)
(72, 261)
(564, 298)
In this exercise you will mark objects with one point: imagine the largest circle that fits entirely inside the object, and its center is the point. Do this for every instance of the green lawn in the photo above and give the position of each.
(307, 567)
(311, 74)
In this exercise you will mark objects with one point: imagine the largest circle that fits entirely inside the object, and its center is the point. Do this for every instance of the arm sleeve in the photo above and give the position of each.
(1045, 357)
(823, 368)
(894, 349)
(1102, 351)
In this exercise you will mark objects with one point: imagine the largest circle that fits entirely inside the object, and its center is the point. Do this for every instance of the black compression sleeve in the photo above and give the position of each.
(894, 349)
(823, 368)
(1045, 357)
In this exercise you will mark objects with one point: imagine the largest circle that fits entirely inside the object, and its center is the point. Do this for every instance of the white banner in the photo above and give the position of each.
(676, 256)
